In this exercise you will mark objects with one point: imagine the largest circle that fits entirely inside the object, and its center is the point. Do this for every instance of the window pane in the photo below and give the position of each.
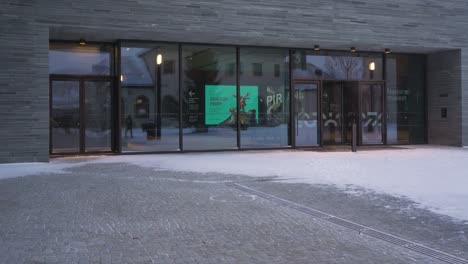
(265, 101)
(65, 116)
(371, 113)
(74, 59)
(306, 114)
(336, 65)
(149, 108)
(98, 115)
(405, 99)
(209, 103)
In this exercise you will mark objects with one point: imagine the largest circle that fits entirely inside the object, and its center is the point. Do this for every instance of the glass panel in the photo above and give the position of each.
(266, 102)
(75, 59)
(98, 113)
(350, 106)
(65, 116)
(332, 113)
(405, 99)
(337, 65)
(150, 97)
(371, 113)
(209, 103)
(306, 114)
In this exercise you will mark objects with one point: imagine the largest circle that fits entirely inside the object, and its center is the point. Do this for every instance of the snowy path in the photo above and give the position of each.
(436, 178)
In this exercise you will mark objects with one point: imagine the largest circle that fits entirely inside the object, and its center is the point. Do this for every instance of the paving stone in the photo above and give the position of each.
(120, 213)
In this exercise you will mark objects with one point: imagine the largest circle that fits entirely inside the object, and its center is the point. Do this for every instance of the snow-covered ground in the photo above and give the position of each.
(434, 177)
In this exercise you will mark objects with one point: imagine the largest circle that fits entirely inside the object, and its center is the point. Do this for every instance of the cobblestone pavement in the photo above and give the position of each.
(120, 213)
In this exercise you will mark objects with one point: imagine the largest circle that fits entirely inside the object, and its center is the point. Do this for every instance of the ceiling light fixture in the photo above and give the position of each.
(353, 49)
(82, 42)
(387, 51)
(316, 47)
(159, 59)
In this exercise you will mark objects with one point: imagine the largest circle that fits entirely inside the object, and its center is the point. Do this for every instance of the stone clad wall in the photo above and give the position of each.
(444, 91)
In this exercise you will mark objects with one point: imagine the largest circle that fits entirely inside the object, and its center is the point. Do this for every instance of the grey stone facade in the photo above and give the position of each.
(444, 91)
(418, 26)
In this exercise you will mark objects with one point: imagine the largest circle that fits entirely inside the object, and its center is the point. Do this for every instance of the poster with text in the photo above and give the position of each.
(220, 105)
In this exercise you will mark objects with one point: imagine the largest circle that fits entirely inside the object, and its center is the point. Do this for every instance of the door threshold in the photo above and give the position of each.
(348, 148)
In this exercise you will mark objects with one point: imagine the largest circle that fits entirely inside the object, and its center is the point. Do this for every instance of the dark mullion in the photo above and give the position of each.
(384, 99)
(426, 104)
(343, 125)
(292, 105)
(116, 95)
(181, 138)
(238, 97)
(50, 116)
(359, 117)
(82, 117)
(319, 113)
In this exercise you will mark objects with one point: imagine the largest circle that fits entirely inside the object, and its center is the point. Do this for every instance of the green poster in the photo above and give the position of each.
(220, 105)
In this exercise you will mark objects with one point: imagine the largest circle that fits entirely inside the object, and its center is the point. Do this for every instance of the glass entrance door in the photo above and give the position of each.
(345, 103)
(65, 117)
(350, 108)
(80, 115)
(97, 115)
(306, 117)
(339, 111)
(332, 113)
(371, 110)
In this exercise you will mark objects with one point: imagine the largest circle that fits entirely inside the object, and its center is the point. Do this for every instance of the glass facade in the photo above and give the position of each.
(209, 103)
(98, 115)
(149, 110)
(306, 114)
(405, 83)
(371, 105)
(265, 72)
(176, 97)
(65, 116)
(81, 97)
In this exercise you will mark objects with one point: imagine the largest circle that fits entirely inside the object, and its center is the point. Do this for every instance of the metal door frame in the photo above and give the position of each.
(359, 108)
(81, 79)
(294, 112)
(384, 114)
(340, 82)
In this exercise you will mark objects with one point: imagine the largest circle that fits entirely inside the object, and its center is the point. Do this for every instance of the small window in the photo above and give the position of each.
(142, 107)
(257, 69)
(277, 70)
(168, 67)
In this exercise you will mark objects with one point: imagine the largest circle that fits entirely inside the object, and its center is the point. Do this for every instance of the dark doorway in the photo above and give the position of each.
(80, 115)
(339, 111)
(345, 103)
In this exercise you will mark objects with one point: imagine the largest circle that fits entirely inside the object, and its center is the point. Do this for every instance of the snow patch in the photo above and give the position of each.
(434, 177)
